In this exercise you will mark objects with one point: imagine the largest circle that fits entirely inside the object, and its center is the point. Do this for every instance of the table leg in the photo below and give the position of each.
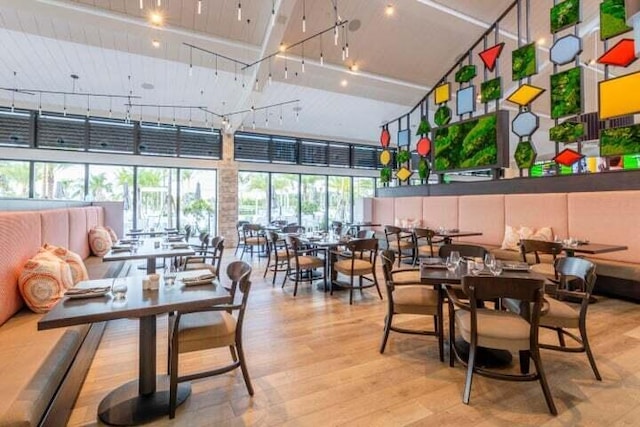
(151, 265)
(147, 398)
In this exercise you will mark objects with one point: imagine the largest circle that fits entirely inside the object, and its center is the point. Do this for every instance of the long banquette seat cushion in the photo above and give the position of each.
(35, 362)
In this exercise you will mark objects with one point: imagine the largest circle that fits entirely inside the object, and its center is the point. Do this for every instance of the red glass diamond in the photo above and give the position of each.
(385, 138)
(567, 157)
(424, 146)
(491, 55)
(622, 54)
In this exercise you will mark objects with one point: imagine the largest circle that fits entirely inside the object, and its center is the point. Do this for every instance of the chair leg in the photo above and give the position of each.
(266, 269)
(375, 281)
(351, 290)
(560, 337)
(440, 328)
(524, 356)
(173, 380)
(243, 368)
(473, 348)
(452, 335)
(234, 356)
(587, 349)
(295, 286)
(385, 334)
(535, 355)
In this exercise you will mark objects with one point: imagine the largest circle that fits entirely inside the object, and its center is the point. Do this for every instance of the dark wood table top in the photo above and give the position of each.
(436, 276)
(594, 248)
(137, 233)
(456, 233)
(149, 251)
(138, 302)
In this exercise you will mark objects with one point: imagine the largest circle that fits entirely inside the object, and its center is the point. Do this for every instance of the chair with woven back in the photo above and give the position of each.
(209, 259)
(278, 256)
(361, 263)
(410, 297)
(482, 326)
(305, 262)
(400, 242)
(541, 247)
(425, 241)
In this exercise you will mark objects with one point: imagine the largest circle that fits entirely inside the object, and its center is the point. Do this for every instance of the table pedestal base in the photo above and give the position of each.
(485, 357)
(125, 407)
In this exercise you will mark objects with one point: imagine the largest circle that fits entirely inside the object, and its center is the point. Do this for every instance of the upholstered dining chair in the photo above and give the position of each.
(576, 280)
(360, 264)
(482, 326)
(294, 228)
(406, 295)
(254, 237)
(305, 262)
(366, 234)
(239, 229)
(279, 255)
(208, 259)
(210, 328)
(541, 247)
(425, 240)
(400, 242)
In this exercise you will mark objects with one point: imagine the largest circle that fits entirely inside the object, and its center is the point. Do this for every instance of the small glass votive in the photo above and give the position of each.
(119, 288)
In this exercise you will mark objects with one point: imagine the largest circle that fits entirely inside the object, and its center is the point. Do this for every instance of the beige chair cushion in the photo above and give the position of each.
(560, 314)
(255, 241)
(403, 245)
(496, 329)
(425, 250)
(307, 261)
(409, 276)
(283, 254)
(544, 269)
(360, 267)
(415, 300)
(207, 329)
(200, 266)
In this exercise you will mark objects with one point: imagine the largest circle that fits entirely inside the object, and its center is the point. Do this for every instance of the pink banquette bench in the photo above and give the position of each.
(608, 217)
(38, 369)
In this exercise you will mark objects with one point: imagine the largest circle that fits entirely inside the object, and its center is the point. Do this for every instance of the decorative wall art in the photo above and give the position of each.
(490, 56)
(613, 19)
(423, 147)
(567, 132)
(567, 157)
(472, 144)
(385, 157)
(442, 93)
(442, 116)
(614, 99)
(524, 62)
(525, 95)
(525, 154)
(385, 137)
(424, 127)
(465, 74)
(564, 14)
(404, 138)
(491, 90)
(620, 141)
(565, 49)
(466, 100)
(566, 93)
(525, 124)
(622, 54)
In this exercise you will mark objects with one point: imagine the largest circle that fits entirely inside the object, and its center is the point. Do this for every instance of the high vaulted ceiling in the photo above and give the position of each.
(108, 44)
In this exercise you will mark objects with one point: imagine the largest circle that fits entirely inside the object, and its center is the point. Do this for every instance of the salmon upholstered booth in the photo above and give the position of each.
(607, 217)
(36, 363)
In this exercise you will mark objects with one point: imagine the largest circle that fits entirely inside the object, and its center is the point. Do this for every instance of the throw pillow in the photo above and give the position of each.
(543, 233)
(43, 281)
(112, 234)
(512, 236)
(78, 270)
(99, 241)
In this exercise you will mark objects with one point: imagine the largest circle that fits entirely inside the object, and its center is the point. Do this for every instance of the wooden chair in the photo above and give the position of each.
(561, 315)
(207, 260)
(209, 328)
(399, 242)
(410, 298)
(297, 229)
(239, 228)
(500, 329)
(253, 238)
(361, 263)
(425, 239)
(305, 263)
(336, 227)
(538, 247)
(366, 234)
(279, 256)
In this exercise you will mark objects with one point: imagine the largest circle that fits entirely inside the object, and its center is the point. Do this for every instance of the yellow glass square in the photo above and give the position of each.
(442, 93)
(385, 157)
(525, 95)
(616, 96)
(404, 174)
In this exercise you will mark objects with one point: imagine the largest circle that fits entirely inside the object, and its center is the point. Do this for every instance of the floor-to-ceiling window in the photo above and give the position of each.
(253, 195)
(14, 179)
(285, 197)
(313, 193)
(60, 181)
(157, 194)
(362, 187)
(113, 183)
(339, 198)
(198, 201)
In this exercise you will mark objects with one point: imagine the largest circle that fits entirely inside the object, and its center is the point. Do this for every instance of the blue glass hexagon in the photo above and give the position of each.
(565, 49)
(525, 124)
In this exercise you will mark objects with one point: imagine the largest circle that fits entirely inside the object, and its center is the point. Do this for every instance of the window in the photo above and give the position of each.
(340, 199)
(253, 190)
(198, 202)
(14, 179)
(314, 201)
(113, 183)
(61, 181)
(157, 192)
(362, 187)
(285, 196)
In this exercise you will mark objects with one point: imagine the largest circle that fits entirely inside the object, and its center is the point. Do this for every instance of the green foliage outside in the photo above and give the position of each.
(467, 145)
(612, 19)
(619, 141)
(523, 62)
(564, 14)
(566, 93)
(442, 116)
(466, 73)
(567, 132)
(491, 90)
(424, 127)
(525, 155)
(385, 175)
(200, 210)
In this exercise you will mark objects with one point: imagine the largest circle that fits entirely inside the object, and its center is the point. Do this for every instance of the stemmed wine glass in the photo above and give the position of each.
(455, 257)
(489, 260)
(496, 268)
(450, 264)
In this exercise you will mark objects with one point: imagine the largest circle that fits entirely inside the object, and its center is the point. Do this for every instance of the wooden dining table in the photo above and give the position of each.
(147, 397)
(150, 252)
(592, 248)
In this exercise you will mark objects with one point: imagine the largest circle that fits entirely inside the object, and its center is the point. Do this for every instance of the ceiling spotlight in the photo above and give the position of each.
(156, 18)
(155, 43)
(344, 83)
(282, 47)
(389, 10)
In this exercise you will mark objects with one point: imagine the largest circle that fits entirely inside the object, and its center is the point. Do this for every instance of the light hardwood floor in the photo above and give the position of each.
(314, 361)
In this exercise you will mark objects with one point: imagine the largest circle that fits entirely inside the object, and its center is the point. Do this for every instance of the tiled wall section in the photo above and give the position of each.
(228, 194)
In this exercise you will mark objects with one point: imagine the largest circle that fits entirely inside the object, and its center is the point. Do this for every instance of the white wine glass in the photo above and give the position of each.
(455, 257)
(496, 268)
(451, 264)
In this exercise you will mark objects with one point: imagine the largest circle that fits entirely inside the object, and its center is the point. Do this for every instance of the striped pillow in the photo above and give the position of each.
(112, 234)
(78, 270)
(99, 241)
(43, 281)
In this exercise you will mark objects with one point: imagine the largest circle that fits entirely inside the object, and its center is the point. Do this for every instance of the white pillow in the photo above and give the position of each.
(512, 236)
(543, 233)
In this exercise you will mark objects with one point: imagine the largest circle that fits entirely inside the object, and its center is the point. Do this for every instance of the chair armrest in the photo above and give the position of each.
(453, 293)
(221, 307)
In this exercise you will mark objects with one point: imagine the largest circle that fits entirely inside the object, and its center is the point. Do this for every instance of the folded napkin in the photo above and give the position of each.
(175, 238)
(86, 291)
(121, 249)
(204, 279)
(180, 246)
(125, 242)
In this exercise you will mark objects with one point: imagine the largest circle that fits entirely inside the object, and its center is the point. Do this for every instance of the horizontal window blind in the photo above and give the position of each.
(284, 150)
(251, 147)
(158, 140)
(200, 143)
(15, 128)
(314, 153)
(111, 136)
(62, 133)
